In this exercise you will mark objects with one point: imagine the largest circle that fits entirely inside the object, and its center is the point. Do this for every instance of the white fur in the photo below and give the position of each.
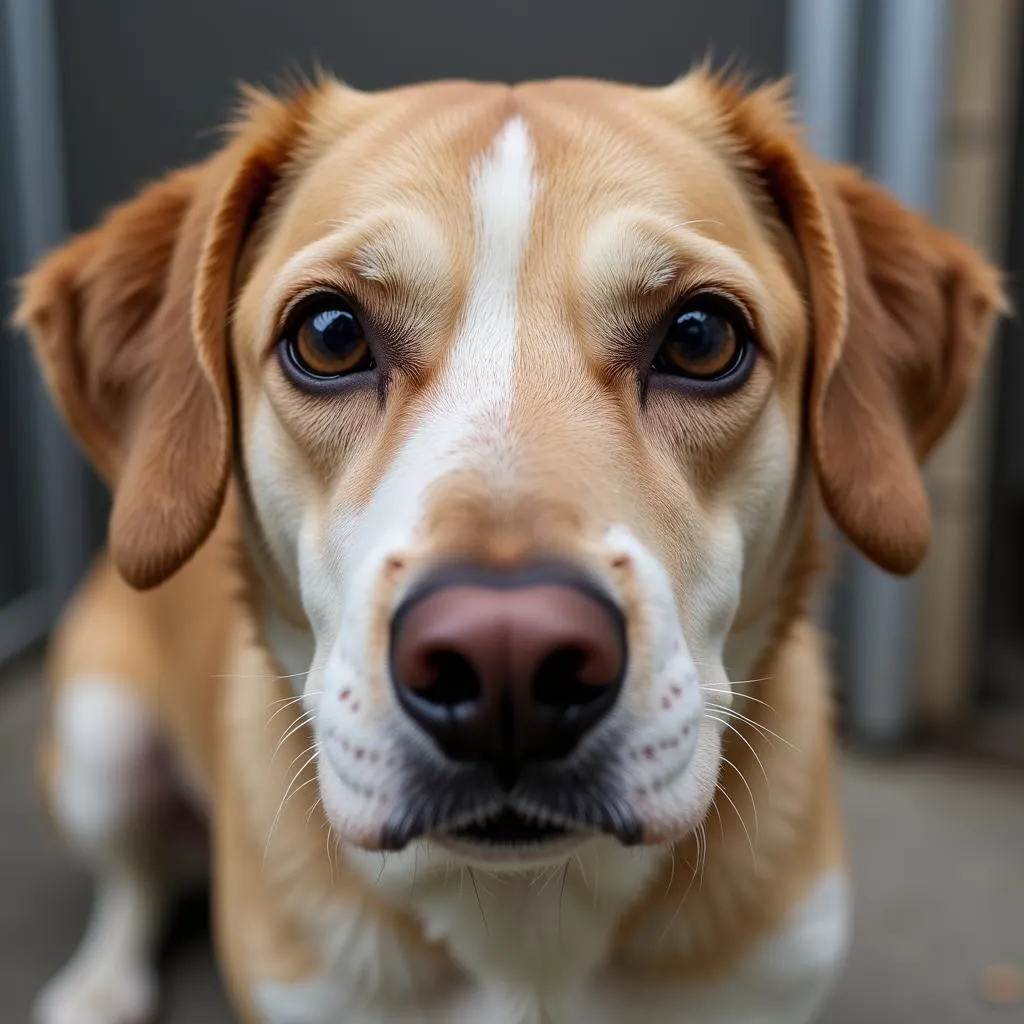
(102, 731)
(539, 933)
(104, 735)
(541, 928)
(293, 647)
(110, 979)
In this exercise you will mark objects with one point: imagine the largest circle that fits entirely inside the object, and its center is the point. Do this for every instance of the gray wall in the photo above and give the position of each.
(143, 82)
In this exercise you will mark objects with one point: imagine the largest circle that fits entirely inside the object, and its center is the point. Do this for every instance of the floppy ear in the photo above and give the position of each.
(902, 314)
(129, 323)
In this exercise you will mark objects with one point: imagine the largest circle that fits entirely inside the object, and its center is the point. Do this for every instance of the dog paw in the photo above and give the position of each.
(99, 995)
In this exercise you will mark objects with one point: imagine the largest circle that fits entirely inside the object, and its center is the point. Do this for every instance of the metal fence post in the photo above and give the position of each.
(911, 68)
(874, 616)
(56, 488)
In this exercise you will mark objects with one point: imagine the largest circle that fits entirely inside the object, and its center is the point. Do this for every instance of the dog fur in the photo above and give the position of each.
(229, 650)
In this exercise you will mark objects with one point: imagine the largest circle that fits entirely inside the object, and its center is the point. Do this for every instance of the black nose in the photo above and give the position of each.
(507, 667)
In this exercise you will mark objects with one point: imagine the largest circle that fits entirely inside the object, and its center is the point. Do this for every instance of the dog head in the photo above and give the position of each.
(529, 392)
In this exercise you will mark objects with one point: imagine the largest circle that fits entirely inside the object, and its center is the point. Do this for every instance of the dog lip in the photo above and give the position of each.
(504, 824)
(509, 827)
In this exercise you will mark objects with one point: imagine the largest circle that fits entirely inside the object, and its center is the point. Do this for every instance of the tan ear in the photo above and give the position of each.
(921, 308)
(129, 322)
(902, 315)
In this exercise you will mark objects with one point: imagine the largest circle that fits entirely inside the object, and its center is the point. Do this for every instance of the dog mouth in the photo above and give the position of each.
(550, 807)
(508, 827)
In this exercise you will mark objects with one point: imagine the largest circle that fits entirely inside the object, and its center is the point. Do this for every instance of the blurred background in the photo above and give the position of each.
(98, 97)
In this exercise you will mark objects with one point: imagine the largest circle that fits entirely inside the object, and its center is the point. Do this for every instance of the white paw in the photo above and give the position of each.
(99, 994)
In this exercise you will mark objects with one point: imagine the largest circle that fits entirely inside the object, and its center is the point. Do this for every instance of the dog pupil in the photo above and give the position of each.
(699, 335)
(336, 332)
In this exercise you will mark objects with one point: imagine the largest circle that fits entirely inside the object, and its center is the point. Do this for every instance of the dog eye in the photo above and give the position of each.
(707, 340)
(325, 340)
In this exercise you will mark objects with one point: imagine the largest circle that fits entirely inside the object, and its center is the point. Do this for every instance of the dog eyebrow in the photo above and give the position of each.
(636, 253)
(395, 258)
(401, 249)
(633, 260)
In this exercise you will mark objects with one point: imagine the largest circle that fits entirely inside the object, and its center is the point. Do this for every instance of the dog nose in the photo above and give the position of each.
(506, 668)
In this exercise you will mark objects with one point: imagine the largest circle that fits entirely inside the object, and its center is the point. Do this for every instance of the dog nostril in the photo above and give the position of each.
(557, 682)
(454, 680)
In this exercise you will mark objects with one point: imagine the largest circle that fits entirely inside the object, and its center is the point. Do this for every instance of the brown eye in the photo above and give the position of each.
(706, 340)
(325, 340)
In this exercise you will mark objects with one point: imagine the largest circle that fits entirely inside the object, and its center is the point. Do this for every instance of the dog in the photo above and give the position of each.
(470, 447)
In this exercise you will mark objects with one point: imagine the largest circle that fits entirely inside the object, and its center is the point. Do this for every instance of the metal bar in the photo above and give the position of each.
(822, 57)
(912, 59)
(60, 547)
(823, 46)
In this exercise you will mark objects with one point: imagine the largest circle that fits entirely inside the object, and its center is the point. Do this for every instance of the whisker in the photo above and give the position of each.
(302, 720)
(479, 903)
(732, 728)
(695, 223)
(302, 754)
(548, 875)
(312, 810)
(672, 872)
(721, 789)
(763, 729)
(265, 675)
(704, 854)
(290, 702)
(579, 865)
(721, 823)
(682, 899)
(741, 695)
(288, 792)
(330, 859)
(750, 793)
(291, 699)
(561, 897)
(735, 682)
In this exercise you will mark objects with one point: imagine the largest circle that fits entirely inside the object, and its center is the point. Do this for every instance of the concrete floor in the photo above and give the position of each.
(938, 860)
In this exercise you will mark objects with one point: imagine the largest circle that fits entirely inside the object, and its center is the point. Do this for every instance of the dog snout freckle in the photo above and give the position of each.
(504, 669)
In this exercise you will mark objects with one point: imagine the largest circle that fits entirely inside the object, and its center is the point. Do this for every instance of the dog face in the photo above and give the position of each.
(532, 391)
(525, 364)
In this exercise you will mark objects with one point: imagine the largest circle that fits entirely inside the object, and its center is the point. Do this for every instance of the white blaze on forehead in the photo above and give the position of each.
(468, 423)
(483, 357)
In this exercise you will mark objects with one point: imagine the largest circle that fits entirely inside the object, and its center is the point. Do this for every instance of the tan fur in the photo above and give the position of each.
(872, 326)
(742, 877)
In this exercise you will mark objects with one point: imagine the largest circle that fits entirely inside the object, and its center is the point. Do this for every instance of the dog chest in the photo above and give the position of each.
(784, 981)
